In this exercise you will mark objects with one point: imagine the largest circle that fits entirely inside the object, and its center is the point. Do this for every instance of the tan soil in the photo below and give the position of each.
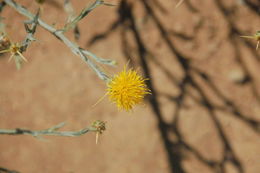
(203, 116)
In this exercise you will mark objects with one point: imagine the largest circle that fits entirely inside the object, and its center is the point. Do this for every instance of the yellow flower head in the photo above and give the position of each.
(127, 89)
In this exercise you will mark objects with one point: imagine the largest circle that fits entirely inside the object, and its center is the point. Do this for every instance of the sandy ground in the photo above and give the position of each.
(203, 115)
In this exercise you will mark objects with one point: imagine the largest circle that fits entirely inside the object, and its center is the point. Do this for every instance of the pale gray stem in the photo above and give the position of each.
(59, 34)
(48, 132)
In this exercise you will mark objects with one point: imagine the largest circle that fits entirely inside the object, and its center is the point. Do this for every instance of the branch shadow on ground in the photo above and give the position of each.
(175, 148)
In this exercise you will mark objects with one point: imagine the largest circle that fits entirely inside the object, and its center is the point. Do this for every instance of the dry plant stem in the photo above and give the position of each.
(83, 13)
(99, 59)
(48, 132)
(30, 32)
(59, 34)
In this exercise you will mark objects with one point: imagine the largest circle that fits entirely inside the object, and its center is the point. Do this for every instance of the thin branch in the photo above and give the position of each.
(99, 59)
(73, 22)
(48, 132)
(71, 15)
(59, 34)
(30, 31)
(69, 10)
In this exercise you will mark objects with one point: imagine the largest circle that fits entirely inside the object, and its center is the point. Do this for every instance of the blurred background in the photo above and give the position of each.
(202, 116)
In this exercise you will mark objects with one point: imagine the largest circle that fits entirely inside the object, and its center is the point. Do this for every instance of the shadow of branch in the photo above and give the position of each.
(176, 148)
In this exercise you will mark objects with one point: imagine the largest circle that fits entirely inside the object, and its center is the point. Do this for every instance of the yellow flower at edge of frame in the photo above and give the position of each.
(127, 89)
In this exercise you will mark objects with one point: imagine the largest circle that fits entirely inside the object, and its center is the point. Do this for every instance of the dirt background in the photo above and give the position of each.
(203, 115)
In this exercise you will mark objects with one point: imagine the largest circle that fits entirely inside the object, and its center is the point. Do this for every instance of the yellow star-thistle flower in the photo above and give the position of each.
(127, 89)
